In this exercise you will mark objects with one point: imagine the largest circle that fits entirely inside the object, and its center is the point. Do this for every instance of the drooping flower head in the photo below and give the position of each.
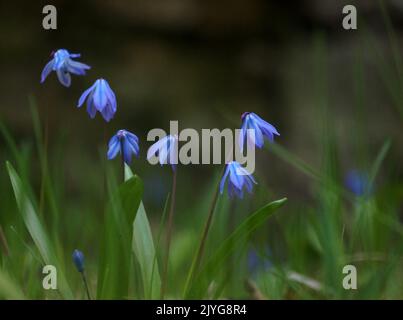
(358, 182)
(63, 64)
(260, 127)
(100, 97)
(166, 150)
(238, 179)
(125, 143)
(78, 259)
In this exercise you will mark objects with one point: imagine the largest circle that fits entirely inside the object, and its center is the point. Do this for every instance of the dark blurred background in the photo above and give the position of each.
(203, 63)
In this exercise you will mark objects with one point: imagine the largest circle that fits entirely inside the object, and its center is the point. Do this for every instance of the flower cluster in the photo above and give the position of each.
(101, 98)
(253, 131)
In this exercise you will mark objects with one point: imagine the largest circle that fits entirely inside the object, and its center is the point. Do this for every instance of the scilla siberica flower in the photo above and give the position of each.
(260, 127)
(100, 97)
(64, 64)
(78, 259)
(125, 143)
(358, 183)
(166, 150)
(238, 179)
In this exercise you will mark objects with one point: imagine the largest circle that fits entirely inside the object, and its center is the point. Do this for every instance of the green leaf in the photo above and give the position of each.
(144, 250)
(115, 261)
(36, 230)
(233, 242)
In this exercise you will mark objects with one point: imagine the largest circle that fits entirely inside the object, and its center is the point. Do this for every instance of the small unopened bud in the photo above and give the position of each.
(78, 259)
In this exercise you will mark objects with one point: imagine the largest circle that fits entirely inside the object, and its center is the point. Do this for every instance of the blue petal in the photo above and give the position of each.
(249, 181)
(90, 106)
(47, 70)
(76, 67)
(171, 149)
(134, 145)
(234, 192)
(242, 135)
(258, 137)
(132, 137)
(266, 127)
(113, 141)
(108, 112)
(84, 96)
(268, 132)
(60, 57)
(110, 95)
(243, 172)
(100, 99)
(154, 149)
(235, 179)
(75, 55)
(114, 147)
(163, 153)
(64, 77)
(127, 152)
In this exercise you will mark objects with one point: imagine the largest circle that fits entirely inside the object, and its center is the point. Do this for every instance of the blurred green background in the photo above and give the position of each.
(334, 95)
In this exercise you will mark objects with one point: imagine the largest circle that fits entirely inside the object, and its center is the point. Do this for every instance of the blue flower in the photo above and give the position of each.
(100, 97)
(259, 260)
(251, 121)
(78, 259)
(238, 178)
(166, 150)
(64, 64)
(125, 143)
(358, 183)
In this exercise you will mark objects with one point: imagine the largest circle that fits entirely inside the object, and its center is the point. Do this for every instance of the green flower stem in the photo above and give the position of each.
(169, 235)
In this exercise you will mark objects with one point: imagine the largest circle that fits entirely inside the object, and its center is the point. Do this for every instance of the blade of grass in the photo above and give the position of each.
(37, 231)
(378, 161)
(164, 213)
(47, 189)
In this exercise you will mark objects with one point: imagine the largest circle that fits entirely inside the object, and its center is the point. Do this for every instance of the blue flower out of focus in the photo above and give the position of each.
(258, 261)
(260, 127)
(166, 150)
(125, 143)
(64, 64)
(100, 97)
(238, 179)
(358, 182)
(78, 259)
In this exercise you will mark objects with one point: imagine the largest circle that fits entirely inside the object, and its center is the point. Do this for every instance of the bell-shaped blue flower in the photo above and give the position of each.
(260, 127)
(100, 97)
(238, 179)
(166, 150)
(125, 143)
(78, 259)
(63, 64)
